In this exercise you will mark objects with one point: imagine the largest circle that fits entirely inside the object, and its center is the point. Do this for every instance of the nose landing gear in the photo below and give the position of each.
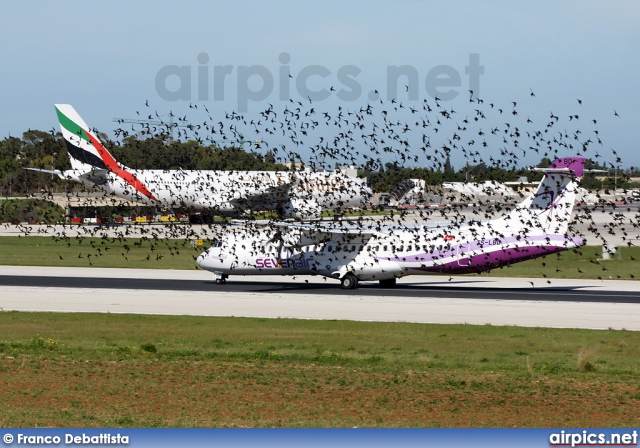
(220, 278)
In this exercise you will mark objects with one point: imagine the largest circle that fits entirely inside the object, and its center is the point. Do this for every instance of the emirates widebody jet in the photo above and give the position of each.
(538, 226)
(301, 195)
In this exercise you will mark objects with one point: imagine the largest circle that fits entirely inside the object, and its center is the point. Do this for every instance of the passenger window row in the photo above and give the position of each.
(409, 248)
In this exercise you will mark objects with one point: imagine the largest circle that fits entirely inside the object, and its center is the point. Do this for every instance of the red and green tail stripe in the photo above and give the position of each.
(106, 157)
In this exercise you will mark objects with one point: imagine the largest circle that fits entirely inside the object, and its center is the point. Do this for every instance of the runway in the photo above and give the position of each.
(435, 299)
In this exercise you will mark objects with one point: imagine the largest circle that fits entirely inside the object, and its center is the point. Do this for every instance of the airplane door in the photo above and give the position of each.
(464, 258)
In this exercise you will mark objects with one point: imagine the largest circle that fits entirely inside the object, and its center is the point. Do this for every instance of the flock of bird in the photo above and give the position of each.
(381, 131)
(411, 134)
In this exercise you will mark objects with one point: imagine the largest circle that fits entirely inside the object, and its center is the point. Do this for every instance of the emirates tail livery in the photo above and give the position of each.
(301, 195)
(537, 226)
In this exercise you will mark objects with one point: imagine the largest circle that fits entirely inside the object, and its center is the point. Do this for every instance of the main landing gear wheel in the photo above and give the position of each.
(349, 281)
(388, 283)
(221, 281)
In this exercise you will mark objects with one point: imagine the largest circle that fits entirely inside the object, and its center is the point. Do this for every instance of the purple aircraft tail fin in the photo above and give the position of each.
(549, 207)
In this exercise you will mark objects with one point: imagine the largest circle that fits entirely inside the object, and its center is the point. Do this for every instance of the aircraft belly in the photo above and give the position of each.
(269, 271)
(378, 270)
(474, 257)
(118, 188)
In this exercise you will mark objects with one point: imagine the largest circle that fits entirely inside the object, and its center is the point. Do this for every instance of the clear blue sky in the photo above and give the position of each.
(104, 58)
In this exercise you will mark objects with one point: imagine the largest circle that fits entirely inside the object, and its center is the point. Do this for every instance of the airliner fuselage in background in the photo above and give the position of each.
(233, 193)
(296, 194)
(351, 253)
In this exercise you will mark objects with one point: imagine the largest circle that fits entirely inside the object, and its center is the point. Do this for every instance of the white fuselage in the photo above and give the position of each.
(236, 192)
(422, 250)
(538, 226)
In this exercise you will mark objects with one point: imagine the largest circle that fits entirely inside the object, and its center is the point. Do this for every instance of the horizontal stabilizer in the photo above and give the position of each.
(56, 172)
(573, 165)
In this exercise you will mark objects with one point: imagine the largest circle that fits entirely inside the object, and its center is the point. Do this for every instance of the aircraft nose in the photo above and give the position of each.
(209, 260)
(201, 258)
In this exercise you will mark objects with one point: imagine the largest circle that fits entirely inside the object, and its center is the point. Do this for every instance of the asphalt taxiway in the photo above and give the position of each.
(563, 303)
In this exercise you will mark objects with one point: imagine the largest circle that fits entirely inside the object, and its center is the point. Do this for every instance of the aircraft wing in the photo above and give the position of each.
(295, 234)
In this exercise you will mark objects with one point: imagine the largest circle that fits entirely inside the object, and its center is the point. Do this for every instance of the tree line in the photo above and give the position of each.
(389, 176)
(38, 149)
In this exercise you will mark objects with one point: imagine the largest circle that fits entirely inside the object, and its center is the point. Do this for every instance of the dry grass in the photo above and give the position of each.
(586, 359)
(147, 371)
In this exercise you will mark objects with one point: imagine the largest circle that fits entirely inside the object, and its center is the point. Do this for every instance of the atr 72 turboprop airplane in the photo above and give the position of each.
(537, 226)
(301, 195)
